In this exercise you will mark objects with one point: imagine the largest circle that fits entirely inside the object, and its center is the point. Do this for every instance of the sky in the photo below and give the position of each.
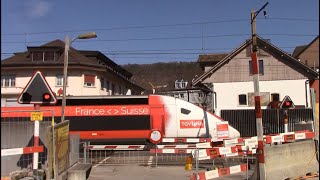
(149, 31)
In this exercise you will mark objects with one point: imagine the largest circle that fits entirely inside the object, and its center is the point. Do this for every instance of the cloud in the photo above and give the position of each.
(39, 9)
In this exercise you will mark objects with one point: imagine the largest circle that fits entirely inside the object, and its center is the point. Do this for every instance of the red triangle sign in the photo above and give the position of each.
(37, 91)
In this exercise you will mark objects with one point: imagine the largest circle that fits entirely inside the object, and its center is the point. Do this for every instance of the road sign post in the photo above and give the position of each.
(37, 92)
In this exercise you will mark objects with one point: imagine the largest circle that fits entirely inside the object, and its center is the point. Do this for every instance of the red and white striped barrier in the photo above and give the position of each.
(171, 151)
(187, 140)
(219, 172)
(215, 152)
(18, 151)
(180, 146)
(186, 146)
(116, 147)
(298, 136)
(270, 139)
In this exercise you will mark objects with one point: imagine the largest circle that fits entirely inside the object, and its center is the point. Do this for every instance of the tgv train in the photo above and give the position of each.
(134, 117)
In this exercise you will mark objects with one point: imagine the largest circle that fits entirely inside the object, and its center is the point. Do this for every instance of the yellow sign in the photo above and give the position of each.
(62, 146)
(36, 116)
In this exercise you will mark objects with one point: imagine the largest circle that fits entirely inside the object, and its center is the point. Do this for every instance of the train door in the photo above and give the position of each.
(157, 117)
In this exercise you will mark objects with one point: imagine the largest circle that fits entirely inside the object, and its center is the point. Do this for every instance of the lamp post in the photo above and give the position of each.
(65, 66)
(257, 98)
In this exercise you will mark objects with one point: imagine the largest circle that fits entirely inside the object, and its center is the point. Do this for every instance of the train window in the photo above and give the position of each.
(185, 111)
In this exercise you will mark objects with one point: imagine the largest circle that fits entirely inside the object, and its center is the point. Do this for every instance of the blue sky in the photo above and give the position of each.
(149, 31)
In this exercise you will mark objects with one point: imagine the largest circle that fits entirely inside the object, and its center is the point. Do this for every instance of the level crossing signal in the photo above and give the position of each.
(287, 103)
(37, 91)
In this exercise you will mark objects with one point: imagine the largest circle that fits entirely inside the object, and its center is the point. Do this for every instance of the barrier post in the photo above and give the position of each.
(247, 163)
(36, 139)
(156, 155)
(315, 127)
(85, 151)
(197, 163)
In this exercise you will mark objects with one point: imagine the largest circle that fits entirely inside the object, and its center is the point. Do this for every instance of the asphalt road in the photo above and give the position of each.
(135, 172)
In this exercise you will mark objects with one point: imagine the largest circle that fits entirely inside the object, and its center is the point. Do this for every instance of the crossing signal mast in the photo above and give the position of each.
(285, 105)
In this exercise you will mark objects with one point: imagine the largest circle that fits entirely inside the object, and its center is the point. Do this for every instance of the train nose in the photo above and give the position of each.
(233, 133)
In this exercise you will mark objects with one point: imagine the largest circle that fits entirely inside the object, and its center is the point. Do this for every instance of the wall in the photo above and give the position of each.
(227, 93)
(237, 70)
(311, 55)
(75, 85)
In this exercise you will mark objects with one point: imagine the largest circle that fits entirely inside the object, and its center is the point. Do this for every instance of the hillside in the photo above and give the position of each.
(160, 74)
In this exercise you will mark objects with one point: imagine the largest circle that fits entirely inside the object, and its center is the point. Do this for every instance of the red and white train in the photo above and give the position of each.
(134, 117)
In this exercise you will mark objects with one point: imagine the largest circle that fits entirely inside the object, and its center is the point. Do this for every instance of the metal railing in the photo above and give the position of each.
(17, 133)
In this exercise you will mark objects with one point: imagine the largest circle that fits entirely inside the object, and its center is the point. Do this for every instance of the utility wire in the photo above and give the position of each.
(168, 38)
(157, 26)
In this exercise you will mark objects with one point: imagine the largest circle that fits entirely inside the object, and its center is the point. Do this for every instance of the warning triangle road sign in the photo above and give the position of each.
(286, 103)
(37, 91)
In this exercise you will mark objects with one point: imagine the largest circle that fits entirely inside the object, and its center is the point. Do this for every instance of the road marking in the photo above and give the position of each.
(150, 160)
(101, 162)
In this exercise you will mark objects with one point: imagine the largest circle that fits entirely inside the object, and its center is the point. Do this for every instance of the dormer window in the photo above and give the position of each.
(177, 84)
(180, 84)
(43, 56)
(37, 56)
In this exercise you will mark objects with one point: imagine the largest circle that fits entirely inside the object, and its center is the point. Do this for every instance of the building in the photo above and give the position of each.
(89, 73)
(280, 75)
(308, 54)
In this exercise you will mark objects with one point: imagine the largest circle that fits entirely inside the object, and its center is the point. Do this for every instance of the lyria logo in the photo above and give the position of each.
(185, 124)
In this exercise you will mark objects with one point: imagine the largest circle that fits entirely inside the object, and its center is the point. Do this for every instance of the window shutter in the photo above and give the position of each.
(89, 79)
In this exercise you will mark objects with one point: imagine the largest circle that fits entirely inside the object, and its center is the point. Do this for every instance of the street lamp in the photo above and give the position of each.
(65, 66)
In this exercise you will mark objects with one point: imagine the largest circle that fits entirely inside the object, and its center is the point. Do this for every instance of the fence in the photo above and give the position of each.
(273, 120)
(17, 133)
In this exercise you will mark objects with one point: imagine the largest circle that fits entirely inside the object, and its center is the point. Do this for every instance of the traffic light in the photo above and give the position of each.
(287, 103)
(37, 91)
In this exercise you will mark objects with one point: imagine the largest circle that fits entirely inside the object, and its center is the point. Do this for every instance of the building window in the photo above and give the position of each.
(177, 84)
(181, 95)
(37, 56)
(261, 67)
(89, 80)
(59, 80)
(113, 89)
(49, 56)
(8, 81)
(200, 94)
(183, 84)
(101, 83)
(275, 97)
(242, 99)
(107, 85)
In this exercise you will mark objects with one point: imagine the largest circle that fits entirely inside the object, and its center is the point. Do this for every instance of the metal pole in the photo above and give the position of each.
(65, 70)
(85, 152)
(286, 121)
(156, 155)
(315, 128)
(36, 139)
(257, 98)
(197, 163)
(55, 170)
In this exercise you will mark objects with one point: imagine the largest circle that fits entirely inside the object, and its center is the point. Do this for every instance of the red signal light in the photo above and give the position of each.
(288, 103)
(46, 97)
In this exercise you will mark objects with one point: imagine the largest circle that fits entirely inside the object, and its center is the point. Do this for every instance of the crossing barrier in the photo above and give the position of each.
(219, 172)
